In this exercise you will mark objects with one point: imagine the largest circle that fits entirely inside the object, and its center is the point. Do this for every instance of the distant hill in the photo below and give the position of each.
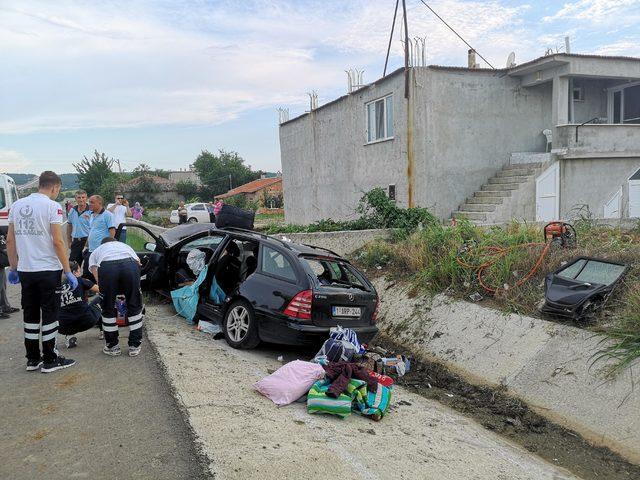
(69, 180)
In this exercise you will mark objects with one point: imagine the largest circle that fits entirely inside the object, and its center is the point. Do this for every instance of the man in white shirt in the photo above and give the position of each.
(120, 211)
(37, 257)
(116, 268)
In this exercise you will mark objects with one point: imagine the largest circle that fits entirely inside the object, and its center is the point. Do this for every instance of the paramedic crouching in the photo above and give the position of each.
(116, 268)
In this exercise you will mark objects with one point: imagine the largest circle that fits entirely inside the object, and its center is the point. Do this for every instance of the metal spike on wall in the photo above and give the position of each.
(283, 115)
(417, 51)
(313, 100)
(354, 79)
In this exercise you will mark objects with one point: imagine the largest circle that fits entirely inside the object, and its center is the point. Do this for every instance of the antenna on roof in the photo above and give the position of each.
(511, 60)
(283, 115)
(313, 100)
(354, 79)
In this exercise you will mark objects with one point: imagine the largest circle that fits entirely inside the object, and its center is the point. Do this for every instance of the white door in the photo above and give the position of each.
(634, 198)
(613, 208)
(548, 194)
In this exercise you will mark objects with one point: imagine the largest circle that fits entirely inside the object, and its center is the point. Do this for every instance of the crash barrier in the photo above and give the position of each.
(547, 365)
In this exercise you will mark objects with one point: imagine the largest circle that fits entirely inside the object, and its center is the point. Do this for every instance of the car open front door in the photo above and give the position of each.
(151, 253)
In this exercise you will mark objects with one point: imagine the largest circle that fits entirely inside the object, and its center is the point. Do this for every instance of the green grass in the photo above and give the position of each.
(429, 259)
(136, 242)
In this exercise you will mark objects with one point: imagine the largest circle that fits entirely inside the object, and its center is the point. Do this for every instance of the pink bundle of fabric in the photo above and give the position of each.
(290, 382)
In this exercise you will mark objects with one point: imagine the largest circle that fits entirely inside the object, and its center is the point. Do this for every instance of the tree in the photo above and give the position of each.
(215, 171)
(94, 172)
(187, 188)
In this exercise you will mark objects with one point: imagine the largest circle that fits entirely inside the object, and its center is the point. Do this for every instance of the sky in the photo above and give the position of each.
(158, 81)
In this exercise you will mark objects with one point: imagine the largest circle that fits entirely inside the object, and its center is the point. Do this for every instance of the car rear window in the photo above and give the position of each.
(593, 271)
(275, 263)
(335, 273)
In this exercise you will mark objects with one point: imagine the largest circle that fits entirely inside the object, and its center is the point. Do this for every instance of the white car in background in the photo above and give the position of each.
(8, 195)
(196, 213)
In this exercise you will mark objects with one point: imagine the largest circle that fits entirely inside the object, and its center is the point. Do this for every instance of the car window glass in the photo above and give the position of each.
(572, 270)
(210, 242)
(198, 207)
(275, 263)
(600, 272)
(333, 272)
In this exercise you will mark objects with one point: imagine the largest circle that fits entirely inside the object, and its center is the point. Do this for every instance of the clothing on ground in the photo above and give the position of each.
(111, 251)
(80, 222)
(121, 277)
(100, 225)
(355, 398)
(341, 373)
(41, 296)
(32, 217)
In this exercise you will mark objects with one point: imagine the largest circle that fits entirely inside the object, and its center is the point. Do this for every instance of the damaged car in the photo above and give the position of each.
(579, 289)
(258, 287)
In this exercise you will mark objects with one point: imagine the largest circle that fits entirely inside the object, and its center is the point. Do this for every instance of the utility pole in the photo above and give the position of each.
(119, 166)
(406, 50)
(230, 187)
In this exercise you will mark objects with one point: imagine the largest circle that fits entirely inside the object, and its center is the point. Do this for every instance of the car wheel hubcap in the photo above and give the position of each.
(238, 324)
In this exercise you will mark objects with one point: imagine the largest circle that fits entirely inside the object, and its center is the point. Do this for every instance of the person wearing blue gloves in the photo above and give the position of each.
(37, 258)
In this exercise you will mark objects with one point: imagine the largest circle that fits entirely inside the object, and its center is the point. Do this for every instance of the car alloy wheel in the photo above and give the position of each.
(193, 220)
(238, 323)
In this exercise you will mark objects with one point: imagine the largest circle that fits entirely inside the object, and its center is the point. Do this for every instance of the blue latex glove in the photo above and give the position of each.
(14, 278)
(73, 281)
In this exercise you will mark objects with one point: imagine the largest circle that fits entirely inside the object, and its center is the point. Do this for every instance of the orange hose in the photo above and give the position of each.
(499, 252)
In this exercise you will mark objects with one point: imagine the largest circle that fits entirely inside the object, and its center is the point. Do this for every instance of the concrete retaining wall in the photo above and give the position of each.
(342, 243)
(545, 364)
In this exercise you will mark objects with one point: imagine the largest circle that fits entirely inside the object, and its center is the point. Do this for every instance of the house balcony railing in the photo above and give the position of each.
(597, 140)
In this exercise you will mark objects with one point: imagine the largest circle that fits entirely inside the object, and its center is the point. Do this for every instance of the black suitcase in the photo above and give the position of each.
(230, 216)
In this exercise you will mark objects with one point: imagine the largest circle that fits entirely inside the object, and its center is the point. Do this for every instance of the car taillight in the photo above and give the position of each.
(300, 305)
(374, 317)
(4, 214)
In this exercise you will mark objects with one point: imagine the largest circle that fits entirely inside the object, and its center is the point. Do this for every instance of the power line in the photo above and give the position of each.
(393, 26)
(460, 37)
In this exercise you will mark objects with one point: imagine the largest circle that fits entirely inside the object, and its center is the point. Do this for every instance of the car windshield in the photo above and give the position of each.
(593, 271)
(176, 234)
(335, 273)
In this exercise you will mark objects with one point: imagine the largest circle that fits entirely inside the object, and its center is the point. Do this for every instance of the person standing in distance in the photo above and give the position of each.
(37, 258)
(182, 213)
(116, 267)
(102, 225)
(78, 227)
(120, 211)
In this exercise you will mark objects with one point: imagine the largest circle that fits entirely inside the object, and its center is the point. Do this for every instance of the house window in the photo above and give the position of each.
(578, 94)
(379, 119)
(625, 104)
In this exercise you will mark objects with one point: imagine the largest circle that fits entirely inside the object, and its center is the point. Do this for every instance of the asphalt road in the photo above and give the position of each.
(104, 418)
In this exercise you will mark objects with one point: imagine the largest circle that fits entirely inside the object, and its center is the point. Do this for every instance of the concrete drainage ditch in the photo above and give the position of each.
(542, 367)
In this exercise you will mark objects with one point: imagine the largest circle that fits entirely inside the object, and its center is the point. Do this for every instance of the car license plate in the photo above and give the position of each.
(345, 311)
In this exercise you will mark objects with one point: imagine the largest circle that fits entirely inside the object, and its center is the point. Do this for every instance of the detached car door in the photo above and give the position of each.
(151, 252)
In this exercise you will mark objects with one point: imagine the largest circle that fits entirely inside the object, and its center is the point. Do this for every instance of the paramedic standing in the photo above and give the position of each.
(120, 211)
(78, 227)
(102, 225)
(37, 258)
(116, 268)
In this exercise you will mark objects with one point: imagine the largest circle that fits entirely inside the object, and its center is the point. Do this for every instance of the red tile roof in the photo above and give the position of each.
(252, 187)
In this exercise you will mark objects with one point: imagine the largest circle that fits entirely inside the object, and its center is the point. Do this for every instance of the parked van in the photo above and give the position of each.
(8, 195)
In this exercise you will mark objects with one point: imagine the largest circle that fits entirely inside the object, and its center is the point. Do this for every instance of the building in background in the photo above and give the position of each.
(533, 141)
(264, 192)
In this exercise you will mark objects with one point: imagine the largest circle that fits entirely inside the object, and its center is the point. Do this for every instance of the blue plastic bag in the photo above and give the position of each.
(185, 299)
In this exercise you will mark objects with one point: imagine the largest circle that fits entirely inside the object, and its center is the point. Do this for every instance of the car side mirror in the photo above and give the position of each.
(150, 247)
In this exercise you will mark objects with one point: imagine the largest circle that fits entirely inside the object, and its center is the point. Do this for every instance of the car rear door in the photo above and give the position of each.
(150, 251)
(341, 294)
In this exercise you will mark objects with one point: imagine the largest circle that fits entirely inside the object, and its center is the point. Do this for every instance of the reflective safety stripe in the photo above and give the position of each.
(108, 321)
(109, 328)
(135, 326)
(50, 336)
(31, 336)
(32, 326)
(135, 317)
(50, 326)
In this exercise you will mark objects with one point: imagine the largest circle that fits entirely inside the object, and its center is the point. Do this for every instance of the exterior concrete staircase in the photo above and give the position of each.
(508, 195)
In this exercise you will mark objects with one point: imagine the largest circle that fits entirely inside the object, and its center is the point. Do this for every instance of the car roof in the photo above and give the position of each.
(177, 234)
